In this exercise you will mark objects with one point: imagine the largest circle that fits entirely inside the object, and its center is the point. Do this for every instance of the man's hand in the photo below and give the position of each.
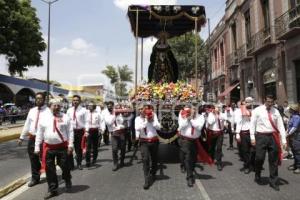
(253, 142)
(239, 140)
(86, 134)
(284, 146)
(70, 151)
(20, 141)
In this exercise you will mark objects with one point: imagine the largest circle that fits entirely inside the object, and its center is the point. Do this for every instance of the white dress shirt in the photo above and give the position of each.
(47, 133)
(145, 129)
(213, 124)
(79, 119)
(242, 123)
(94, 120)
(33, 119)
(186, 126)
(260, 122)
(113, 122)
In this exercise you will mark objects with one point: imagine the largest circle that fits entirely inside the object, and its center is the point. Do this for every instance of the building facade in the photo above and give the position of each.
(262, 49)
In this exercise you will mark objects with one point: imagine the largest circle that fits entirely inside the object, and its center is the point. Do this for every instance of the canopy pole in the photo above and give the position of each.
(196, 58)
(142, 59)
(136, 49)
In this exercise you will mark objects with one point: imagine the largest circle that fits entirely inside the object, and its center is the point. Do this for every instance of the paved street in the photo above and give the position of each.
(99, 182)
(14, 162)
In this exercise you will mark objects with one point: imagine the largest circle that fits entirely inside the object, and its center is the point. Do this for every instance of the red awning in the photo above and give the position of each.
(227, 90)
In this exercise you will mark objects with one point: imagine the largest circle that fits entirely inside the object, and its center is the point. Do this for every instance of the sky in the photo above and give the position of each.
(88, 35)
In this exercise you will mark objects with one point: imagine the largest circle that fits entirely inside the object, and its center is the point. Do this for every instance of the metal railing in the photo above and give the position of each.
(259, 40)
(232, 59)
(287, 21)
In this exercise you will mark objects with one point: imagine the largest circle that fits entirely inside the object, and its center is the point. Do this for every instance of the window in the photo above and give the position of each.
(248, 26)
(222, 53)
(292, 4)
(266, 13)
(233, 30)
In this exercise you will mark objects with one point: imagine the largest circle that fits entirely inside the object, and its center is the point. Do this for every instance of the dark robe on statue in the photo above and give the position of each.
(163, 67)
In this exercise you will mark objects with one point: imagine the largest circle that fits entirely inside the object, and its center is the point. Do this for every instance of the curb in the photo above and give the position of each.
(9, 137)
(10, 127)
(12, 187)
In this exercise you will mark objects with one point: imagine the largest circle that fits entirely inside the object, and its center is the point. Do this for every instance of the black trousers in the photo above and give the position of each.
(61, 156)
(78, 134)
(149, 154)
(247, 151)
(128, 139)
(215, 148)
(34, 161)
(266, 143)
(92, 144)
(106, 136)
(118, 142)
(295, 147)
(230, 133)
(188, 155)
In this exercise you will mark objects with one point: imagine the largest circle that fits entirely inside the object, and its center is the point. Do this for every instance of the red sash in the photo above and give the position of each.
(202, 155)
(276, 138)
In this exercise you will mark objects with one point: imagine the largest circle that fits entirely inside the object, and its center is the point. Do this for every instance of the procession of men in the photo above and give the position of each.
(59, 138)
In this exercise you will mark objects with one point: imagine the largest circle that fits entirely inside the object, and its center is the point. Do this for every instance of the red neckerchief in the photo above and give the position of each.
(55, 128)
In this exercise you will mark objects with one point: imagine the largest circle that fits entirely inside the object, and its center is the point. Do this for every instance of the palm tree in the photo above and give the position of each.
(119, 78)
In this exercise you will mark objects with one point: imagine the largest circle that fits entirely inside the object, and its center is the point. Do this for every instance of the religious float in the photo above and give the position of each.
(164, 92)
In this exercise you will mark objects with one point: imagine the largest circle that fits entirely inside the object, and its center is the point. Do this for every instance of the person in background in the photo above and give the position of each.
(293, 135)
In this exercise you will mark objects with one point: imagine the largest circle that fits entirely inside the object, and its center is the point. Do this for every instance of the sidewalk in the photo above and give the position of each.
(10, 133)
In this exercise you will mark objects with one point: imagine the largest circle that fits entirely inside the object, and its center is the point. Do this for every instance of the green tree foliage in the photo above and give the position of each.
(20, 38)
(183, 48)
(119, 77)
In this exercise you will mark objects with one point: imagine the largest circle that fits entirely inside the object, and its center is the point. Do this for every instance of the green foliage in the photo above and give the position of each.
(119, 77)
(20, 37)
(183, 48)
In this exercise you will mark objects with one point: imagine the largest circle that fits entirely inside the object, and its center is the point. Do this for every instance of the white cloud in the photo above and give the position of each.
(78, 47)
(123, 4)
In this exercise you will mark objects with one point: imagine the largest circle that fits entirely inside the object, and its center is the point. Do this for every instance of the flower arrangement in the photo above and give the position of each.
(172, 92)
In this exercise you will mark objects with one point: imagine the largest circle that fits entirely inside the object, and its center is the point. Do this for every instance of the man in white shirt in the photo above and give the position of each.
(229, 124)
(33, 119)
(77, 114)
(265, 131)
(215, 126)
(95, 126)
(56, 131)
(146, 126)
(243, 118)
(190, 127)
(115, 124)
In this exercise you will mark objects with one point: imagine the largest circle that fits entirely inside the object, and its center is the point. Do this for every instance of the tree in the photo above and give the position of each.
(119, 77)
(183, 48)
(20, 37)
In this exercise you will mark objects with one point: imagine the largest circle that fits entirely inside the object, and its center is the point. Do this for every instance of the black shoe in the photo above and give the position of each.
(146, 185)
(50, 195)
(182, 169)
(115, 168)
(219, 167)
(80, 167)
(88, 164)
(274, 186)
(122, 164)
(247, 171)
(94, 162)
(190, 182)
(69, 184)
(33, 183)
(257, 179)
(153, 177)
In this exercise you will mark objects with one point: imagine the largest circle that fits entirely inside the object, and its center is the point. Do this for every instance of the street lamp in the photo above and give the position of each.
(49, 2)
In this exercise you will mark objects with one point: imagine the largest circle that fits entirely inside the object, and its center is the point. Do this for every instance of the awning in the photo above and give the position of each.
(229, 89)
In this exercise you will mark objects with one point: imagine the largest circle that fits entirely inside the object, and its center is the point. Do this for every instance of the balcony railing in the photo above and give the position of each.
(232, 59)
(259, 40)
(287, 22)
(218, 72)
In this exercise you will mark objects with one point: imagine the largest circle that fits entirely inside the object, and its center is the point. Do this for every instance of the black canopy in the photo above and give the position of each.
(173, 19)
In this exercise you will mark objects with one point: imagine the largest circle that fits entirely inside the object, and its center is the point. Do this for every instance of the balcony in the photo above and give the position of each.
(288, 24)
(234, 75)
(242, 52)
(260, 41)
(232, 59)
(218, 72)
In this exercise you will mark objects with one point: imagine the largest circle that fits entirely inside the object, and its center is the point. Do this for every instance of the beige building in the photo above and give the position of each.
(262, 46)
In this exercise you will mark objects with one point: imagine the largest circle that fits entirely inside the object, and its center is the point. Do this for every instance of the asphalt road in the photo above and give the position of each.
(99, 182)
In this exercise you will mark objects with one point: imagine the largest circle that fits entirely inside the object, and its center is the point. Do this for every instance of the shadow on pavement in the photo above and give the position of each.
(226, 163)
(282, 181)
(203, 176)
(78, 188)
